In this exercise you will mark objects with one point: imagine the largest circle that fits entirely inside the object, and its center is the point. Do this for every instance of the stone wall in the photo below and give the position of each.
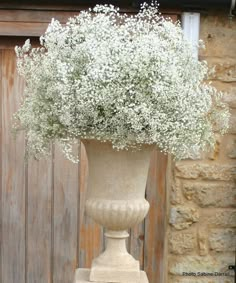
(202, 209)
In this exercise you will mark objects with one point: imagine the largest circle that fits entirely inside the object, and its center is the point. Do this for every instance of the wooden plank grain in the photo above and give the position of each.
(155, 230)
(137, 243)
(31, 26)
(1, 235)
(66, 185)
(13, 177)
(90, 234)
(7, 42)
(34, 16)
(22, 28)
(1, 260)
(39, 221)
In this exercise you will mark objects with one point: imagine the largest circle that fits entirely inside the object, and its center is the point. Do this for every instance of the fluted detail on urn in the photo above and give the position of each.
(117, 214)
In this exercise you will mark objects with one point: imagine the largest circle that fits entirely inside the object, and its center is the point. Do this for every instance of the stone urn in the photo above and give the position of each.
(115, 200)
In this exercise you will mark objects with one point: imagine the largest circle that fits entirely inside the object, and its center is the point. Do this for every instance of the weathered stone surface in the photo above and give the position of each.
(210, 194)
(189, 263)
(214, 153)
(232, 149)
(182, 242)
(232, 125)
(230, 98)
(224, 70)
(222, 239)
(176, 196)
(216, 31)
(220, 218)
(202, 240)
(229, 91)
(211, 180)
(223, 172)
(181, 217)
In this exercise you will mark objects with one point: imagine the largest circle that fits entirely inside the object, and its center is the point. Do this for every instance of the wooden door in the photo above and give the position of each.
(44, 232)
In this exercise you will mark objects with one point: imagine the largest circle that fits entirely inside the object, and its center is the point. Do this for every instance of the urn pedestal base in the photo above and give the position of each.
(82, 276)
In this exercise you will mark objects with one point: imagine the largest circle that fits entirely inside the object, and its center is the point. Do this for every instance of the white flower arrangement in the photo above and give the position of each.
(130, 80)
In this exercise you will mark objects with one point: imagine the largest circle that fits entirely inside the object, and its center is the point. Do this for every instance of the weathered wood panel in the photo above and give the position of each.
(34, 23)
(13, 177)
(39, 214)
(66, 195)
(34, 16)
(90, 233)
(7, 42)
(137, 243)
(22, 28)
(155, 221)
(1, 166)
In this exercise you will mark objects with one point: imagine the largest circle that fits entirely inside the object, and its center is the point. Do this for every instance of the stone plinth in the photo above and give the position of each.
(82, 276)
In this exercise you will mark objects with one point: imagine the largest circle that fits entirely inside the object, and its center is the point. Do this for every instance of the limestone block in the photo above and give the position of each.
(224, 69)
(229, 90)
(221, 172)
(216, 31)
(214, 153)
(182, 217)
(176, 194)
(210, 263)
(182, 242)
(230, 97)
(210, 194)
(203, 241)
(220, 218)
(222, 239)
(232, 149)
(232, 125)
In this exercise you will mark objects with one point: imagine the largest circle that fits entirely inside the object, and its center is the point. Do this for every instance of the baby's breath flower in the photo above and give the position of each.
(130, 80)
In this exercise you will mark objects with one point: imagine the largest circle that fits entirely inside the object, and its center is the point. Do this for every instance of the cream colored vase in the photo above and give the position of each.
(115, 200)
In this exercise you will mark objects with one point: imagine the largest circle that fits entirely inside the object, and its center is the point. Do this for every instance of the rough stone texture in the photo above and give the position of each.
(218, 34)
(204, 192)
(213, 154)
(183, 217)
(202, 241)
(176, 196)
(224, 71)
(210, 194)
(232, 125)
(229, 92)
(219, 218)
(221, 240)
(232, 149)
(206, 172)
(182, 242)
(230, 98)
(208, 263)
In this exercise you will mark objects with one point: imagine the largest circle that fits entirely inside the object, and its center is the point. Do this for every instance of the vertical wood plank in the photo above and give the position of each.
(39, 221)
(13, 177)
(90, 234)
(65, 218)
(1, 109)
(154, 241)
(137, 243)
